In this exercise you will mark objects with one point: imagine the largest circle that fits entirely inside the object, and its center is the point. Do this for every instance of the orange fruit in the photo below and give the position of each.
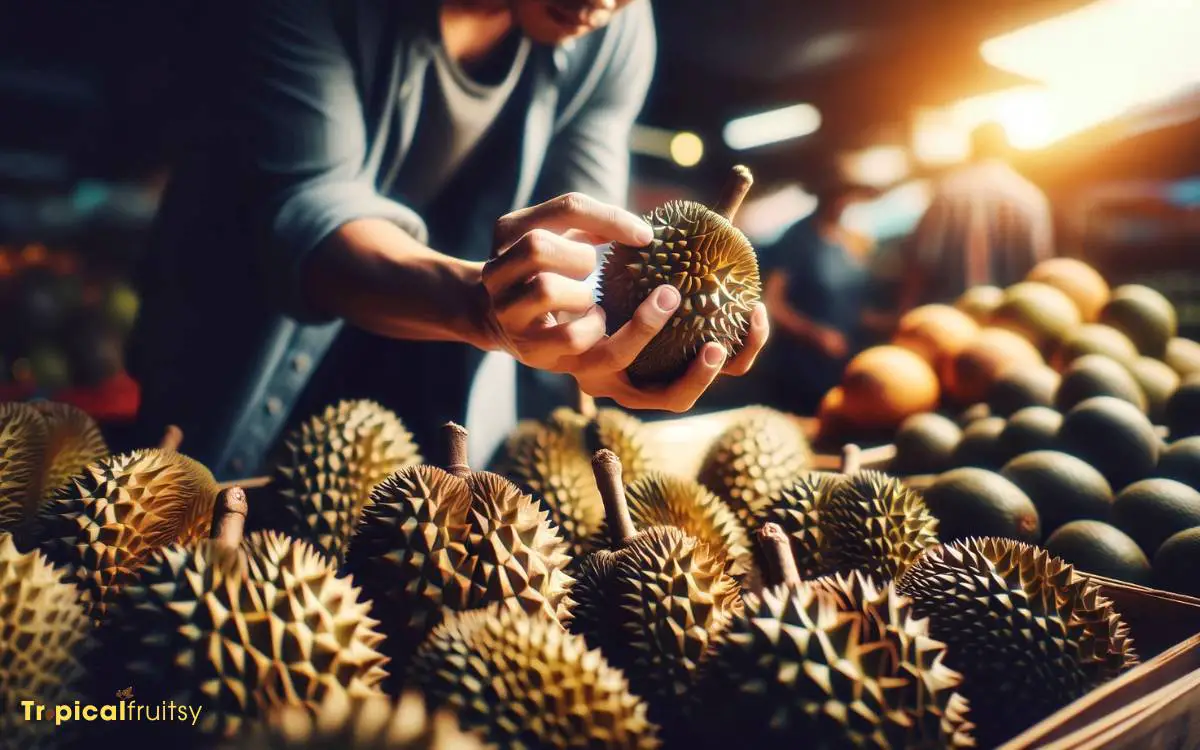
(1079, 281)
(969, 377)
(935, 332)
(884, 385)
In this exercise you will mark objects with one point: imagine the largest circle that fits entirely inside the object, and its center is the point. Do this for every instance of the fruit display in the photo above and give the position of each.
(239, 624)
(330, 465)
(710, 262)
(874, 524)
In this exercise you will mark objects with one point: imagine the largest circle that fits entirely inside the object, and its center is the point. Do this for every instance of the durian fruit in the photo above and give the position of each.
(796, 510)
(111, 517)
(525, 683)
(44, 636)
(875, 523)
(659, 499)
(1028, 633)
(838, 663)
(434, 539)
(698, 251)
(755, 459)
(552, 460)
(240, 625)
(73, 442)
(655, 601)
(23, 440)
(328, 468)
(364, 722)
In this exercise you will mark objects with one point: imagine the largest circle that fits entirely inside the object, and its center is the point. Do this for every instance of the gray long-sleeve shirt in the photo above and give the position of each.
(306, 134)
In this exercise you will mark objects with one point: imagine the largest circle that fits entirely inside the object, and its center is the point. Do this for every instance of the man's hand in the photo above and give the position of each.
(832, 343)
(541, 258)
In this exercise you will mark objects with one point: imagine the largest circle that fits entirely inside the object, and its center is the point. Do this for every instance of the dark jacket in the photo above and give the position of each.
(306, 133)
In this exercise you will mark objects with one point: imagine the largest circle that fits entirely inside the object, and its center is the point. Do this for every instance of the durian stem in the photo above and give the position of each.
(229, 517)
(456, 450)
(734, 193)
(172, 438)
(777, 551)
(851, 459)
(607, 468)
(584, 403)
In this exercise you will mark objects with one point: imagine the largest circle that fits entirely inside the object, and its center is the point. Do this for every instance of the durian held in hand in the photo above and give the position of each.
(833, 663)
(653, 602)
(240, 624)
(435, 539)
(710, 262)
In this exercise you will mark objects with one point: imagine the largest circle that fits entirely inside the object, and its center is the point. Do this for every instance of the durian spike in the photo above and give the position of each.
(607, 468)
(851, 459)
(456, 450)
(734, 193)
(584, 403)
(172, 438)
(777, 552)
(229, 517)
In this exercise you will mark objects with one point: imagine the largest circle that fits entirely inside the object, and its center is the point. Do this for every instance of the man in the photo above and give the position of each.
(816, 291)
(986, 225)
(352, 169)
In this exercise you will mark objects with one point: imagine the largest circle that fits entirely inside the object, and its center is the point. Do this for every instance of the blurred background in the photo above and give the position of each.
(1099, 101)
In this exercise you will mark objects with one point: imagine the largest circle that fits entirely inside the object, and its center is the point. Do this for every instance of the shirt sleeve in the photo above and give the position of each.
(296, 102)
(590, 151)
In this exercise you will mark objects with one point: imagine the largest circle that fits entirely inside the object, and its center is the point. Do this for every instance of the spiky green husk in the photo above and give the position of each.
(873, 522)
(755, 459)
(44, 635)
(800, 670)
(74, 441)
(524, 682)
(1027, 632)
(109, 519)
(430, 541)
(797, 511)
(713, 266)
(241, 630)
(373, 722)
(654, 606)
(23, 440)
(328, 468)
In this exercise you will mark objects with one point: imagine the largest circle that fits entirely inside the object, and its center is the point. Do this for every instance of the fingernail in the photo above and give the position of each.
(643, 233)
(666, 298)
(714, 355)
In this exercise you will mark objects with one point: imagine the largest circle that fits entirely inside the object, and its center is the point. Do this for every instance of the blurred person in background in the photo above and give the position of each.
(435, 175)
(986, 224)
(817, 282)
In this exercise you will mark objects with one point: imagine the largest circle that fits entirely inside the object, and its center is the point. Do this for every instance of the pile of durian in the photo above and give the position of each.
(576, 598)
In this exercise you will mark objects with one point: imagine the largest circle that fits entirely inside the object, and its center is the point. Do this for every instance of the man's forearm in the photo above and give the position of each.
(377, 277)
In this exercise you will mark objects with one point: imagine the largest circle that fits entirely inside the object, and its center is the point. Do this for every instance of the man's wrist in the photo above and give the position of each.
(472, 315)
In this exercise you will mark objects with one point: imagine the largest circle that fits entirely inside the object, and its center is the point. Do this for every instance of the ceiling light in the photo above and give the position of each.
(878, 166)
(680, 146)
(774, 126)
(687, 149)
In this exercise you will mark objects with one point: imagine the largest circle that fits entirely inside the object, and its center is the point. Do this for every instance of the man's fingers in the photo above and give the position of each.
(569, 339)
(573, 211)
(623, 346)
(681, 395)
(756, 338)
(545, 293)
(539, 251)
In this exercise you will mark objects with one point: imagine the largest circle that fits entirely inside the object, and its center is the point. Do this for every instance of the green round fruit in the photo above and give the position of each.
(1104, 550)
(972, 414)
(1044, 315)
(1158, 382)
(1034, 428)
(1095, 338)
(1181, 462)
(1022, 387)
(1115, 437)
(925, 444)
(1062, 487)
(1182, 414)
(1183, 355)
(1177, 561)
(980, 444)
(980, 302)
(1095, 375)
(1152, 510)
(1144, 315)
(972, 502)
